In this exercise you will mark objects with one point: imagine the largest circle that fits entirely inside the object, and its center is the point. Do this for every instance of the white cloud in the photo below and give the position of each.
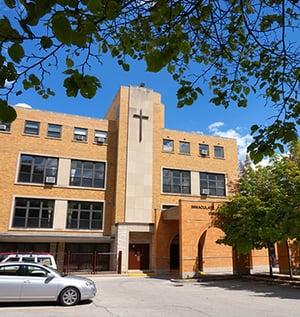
(23, 105)
(243, 140)
(215, 126)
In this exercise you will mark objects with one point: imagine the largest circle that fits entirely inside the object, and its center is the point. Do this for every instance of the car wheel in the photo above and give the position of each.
(69, 296)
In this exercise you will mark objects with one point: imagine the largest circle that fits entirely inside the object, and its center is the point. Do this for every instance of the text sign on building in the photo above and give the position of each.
(204, 207)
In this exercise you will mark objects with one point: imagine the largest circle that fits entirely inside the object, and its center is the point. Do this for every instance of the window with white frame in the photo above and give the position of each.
(36, 169)
(184, 147)
(54, 131)
(100, 137)
(176, 181)
(212, 184)
(85, 215)
(33, 213)
(80, 134)
(219, 151)
(5, 126)
(168, 145)
(32, 127)
(87, 174)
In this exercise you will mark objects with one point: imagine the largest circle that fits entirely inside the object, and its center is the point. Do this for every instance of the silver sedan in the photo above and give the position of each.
(33, 282)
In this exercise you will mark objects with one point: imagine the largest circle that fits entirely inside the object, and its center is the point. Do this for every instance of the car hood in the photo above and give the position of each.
(77, 278)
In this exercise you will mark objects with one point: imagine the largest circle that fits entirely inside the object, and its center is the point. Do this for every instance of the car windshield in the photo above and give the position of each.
(54, 271)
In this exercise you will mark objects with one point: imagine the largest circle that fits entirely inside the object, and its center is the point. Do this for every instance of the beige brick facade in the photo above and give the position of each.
(134, 222)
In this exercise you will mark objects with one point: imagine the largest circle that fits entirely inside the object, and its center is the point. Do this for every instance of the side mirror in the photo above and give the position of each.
(49, 278)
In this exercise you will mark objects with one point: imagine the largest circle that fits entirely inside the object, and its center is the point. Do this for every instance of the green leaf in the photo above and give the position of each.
(16, 52)
(34, 79)
(10, 3)
(69, 62)
(7, 113)
(89, 86)
(46, 42)
(62, 28)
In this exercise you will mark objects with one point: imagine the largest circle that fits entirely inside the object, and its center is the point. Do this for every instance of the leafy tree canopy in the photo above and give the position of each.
(236, 47)
(266, 208)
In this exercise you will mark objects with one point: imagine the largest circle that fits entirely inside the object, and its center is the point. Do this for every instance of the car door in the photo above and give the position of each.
(38, 285)
(11, 281)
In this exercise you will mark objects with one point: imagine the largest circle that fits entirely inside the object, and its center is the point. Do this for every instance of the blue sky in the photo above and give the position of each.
(231, 122)
(201, 116)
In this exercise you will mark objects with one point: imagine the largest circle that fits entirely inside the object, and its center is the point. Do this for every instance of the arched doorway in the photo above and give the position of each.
(200, 251)
(174, 253)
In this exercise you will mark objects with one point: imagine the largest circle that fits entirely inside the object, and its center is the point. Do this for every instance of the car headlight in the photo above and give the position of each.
(89, 284)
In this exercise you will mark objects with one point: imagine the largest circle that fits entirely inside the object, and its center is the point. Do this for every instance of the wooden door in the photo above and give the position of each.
(138, 256)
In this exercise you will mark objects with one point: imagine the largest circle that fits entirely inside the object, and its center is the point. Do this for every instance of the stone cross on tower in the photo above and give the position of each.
(141, 118)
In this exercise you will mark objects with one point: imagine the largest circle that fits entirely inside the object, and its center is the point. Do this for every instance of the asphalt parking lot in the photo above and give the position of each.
(138, 296)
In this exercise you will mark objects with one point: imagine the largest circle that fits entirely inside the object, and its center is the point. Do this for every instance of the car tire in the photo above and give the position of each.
(69, 296)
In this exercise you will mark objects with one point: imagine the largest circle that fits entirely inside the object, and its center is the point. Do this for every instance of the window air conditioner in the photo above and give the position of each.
(205, 191)
(79, 137)
(204, 152)
(50, 180)
(100, 140)
(3, 127)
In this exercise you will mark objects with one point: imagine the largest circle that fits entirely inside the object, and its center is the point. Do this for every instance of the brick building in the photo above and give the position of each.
(74, 185)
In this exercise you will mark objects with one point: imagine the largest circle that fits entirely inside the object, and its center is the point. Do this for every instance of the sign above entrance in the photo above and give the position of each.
(205, 207)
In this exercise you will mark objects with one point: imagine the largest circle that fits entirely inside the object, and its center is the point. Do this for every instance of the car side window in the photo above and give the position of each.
(13, 259)
(11, 270)
(36, 271)
(28, 259)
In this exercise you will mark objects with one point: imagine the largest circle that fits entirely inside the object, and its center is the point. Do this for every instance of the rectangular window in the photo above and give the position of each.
(33, 213)
(212, 184)
(85, 215)
(54, 131)
(165, 207)
(80, 134)
(87, 174)
(32, 127)
(176, 181)
(37, 169)
(184, 147)
(219, 151)
(4, 126)
(100, 137)
(203, 149)
(168, 145)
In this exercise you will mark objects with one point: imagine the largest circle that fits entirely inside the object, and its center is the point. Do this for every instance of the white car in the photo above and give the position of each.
(42, 258)
(20, 281)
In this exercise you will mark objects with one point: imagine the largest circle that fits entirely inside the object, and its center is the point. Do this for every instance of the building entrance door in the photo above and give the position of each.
(174, 254)
(138, 256)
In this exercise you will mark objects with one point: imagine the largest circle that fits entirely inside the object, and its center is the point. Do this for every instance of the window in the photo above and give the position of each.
(35, 169)
(4, 126)
(32, 127)
(176, 181)
(33, 213)
(100, 137)
(184, 147)
(212, 184)
(203, 149)
(54, 131)
(85, 215)
(168, 145)
(35, 271)
(80, 134)
(219, 151)
(87, 174)
(11, 270)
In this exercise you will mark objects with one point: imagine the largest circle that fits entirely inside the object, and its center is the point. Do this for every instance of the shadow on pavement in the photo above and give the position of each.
(259, 288)
(40, 304)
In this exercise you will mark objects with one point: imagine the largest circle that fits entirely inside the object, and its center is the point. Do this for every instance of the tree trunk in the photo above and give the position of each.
(270, 261)
(289, 258)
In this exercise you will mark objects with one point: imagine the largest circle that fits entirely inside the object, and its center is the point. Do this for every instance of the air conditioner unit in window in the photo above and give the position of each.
(100, 140)
(204, 152)
(50, 180)
(3, 127)
(79, 137)
(204, 191)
